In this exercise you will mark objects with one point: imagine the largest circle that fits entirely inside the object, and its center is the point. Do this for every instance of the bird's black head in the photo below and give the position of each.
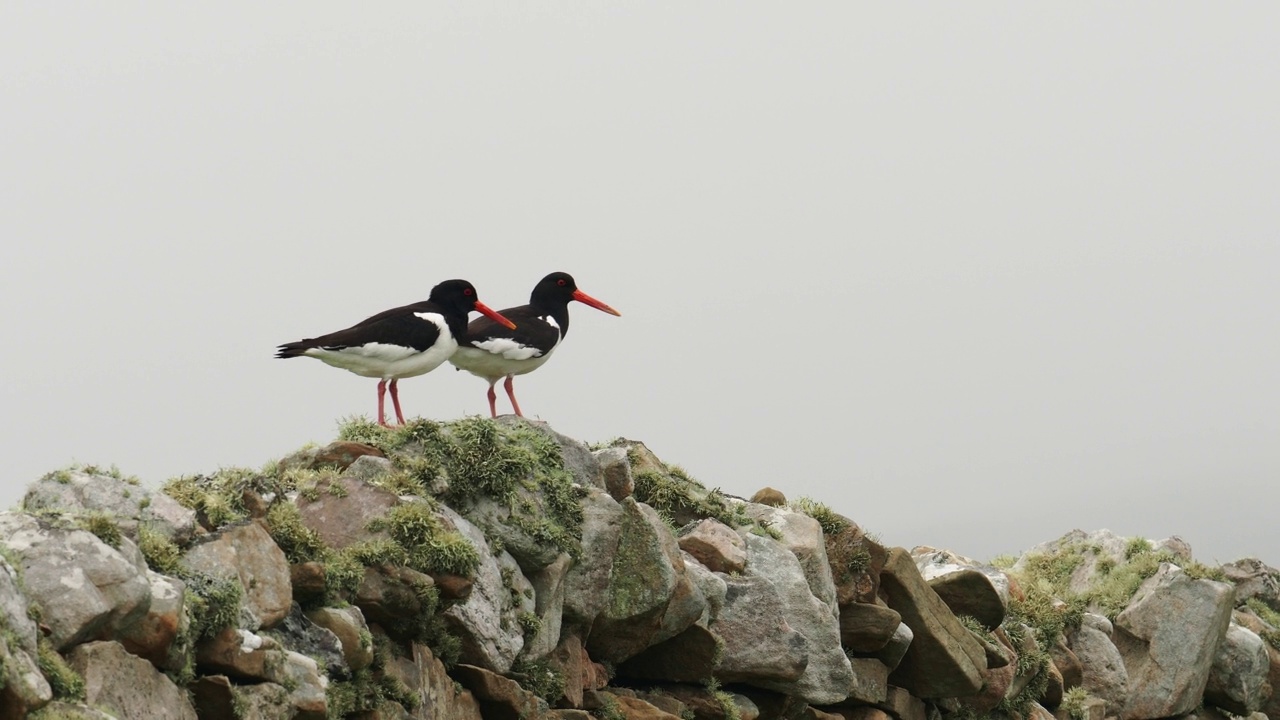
(456, 295)
(558, 289)
(459, 297)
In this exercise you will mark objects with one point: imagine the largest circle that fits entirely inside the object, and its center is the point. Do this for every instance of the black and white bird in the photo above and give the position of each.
(401, 342)
(493, 351)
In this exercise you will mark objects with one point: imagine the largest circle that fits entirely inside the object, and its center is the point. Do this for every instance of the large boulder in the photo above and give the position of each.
(341, 518)
(867, 627)
(647, 570)
(760, 647)
(1102, 668)
(587, 582)
(22, 687)
(944, 659)
(347, 625)
(1271, 706)
(715, 545)
(84, 587)
(1169, 636)
(548, 599)
(246, 553)
(1254, 579)
(1098, 551)
(1238, 681)
(487, 623)
(126, 685)
(438, 696)
(803, 536)
(827, 675)
(126, 502)
(578, 459)
(155, 635)
(967, 587)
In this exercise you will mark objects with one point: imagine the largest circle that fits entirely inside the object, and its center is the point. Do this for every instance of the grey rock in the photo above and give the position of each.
(13, 609)
(760, 648)
(1168, 636)
(646, 573)
(586, 583)
(870, 681)
(487, 622)
(158, 635)
(548, 595)
(126, 685)
(896, 649)
(1254, 579)
(827, 675)
(1238, 678)
(944, 659)
(803, 536)
(439, 697)
(578, 458)
(85, 587)
(1104, 674)
(867, 628)
(77, 491)
(966, 588)
(348, 625)
(298, 633)
(263, 701)
(22, 687)
(248, 554)
(616, 470)
(715, 545)
(341, 520)
(1271, 707)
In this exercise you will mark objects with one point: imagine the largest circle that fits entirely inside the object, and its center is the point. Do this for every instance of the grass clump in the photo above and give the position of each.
(1271, 634)
(160, 553)
(103, 525)
(676, 495)
(540, 678)
(214, 603)
(609, 709)
(1073, 703)
(67, 684)
(428, 546)
(727, 706)
(831, 522)
(299, 542)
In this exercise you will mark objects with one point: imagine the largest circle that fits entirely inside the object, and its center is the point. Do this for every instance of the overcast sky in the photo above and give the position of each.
(972, 274)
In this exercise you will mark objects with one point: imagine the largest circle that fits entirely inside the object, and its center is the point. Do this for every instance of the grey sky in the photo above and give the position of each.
(973, 275)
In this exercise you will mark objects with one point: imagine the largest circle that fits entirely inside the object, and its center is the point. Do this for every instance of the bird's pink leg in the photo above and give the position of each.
(512, 394)
(395, 400)
(382, 391)
(493, 401)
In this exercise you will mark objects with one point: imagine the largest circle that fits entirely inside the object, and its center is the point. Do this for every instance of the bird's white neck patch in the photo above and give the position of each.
(550, 321)
(435, 319)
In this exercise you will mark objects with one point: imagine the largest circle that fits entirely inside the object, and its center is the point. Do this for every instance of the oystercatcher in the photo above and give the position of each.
(401, 342)
(491, 351)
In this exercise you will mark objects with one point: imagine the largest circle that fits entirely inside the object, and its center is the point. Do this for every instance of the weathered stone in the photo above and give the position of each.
(863, 712)
(215, 697)
(1254, 579)
(22, 687)
(340, 454)
(238, 653)
(646, 571)
(453, 587)
(248, 554)
(152, 637)
(827, 675)
(1174, 545)
(1238, 681)
(1099, 551)
(308, 580)
(867, 628)
(389, 595)
(896, 649)
(306, 685)
(759, 645)
(769, 496)
(61, 710)
(127, 685)
(264, 701)
(856, 562)
(439, 698)
(1067, 663)
(487, 623)
(900, 703)
(298, 633)
(717, 546)
(637, 709)
(375, 470)
(348, 626)
(13, 609)
(943, 660)
(969, 592)
(1271, 707)
(1168, 637)
(1102, 668)
(587, 582)
(129, 504)
(996, 681)
(86, 588)
(341, 519)
(803, 536)
(688, 657)
(710, 584)
(870, 681)
(1093, 709)
(500, 698)
(616, 470)
(548, 597)
(1053, 691)
(706, 706)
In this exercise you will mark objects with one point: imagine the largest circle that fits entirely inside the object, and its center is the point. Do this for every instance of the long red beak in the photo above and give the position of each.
(493, 315)
(588, 300)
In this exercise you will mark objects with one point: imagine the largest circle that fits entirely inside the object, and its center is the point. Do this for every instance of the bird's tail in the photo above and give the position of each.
(294, 349)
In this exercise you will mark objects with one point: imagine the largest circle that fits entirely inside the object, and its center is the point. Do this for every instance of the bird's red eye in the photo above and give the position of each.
(468, 292)
(560, 282)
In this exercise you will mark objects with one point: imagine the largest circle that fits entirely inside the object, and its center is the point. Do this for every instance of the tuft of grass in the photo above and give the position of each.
(299, 542)
(831, 522)
(1271, 634)
(1073, 703)
(214, 603)
(103, 525)
(609, 709)
(67, 684)
(727, 706)
(428, 546)
(1136, 546)
(161, 554)
(540, 678)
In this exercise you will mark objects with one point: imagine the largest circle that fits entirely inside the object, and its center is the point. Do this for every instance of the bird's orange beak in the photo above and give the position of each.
(586, 299)
(494, 315)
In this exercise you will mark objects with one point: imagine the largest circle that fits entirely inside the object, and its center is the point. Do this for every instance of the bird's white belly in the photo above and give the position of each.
(379, 360)
(492, 366)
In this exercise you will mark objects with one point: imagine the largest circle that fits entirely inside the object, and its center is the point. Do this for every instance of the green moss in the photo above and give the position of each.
(530, 625)
(429, 547)
(161, 554)
(214, 603)
(67, 684)
(1271, 633)
(299, 542)
(1136, 546)
(831, 522)
(540, 678)
(728, 707)
(103, 525)
(609, 709)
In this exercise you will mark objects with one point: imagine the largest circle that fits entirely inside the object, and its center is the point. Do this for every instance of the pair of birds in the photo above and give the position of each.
(415, 339)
